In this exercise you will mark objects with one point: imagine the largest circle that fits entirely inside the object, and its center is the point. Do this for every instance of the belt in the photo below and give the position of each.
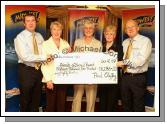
(134, 74)
(24, 65)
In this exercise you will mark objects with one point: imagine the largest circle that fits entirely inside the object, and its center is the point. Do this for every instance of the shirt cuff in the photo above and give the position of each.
(126, 62)
(43, 57)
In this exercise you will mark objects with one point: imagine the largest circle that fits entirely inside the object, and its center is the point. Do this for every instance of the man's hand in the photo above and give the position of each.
(49, 56)
(49, 85)
(120, 64)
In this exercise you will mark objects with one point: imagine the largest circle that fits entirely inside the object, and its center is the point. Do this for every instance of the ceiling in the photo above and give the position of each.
(115, 9)
(119, 8)
(122, 7)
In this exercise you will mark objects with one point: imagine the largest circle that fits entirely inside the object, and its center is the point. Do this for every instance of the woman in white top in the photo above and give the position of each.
(55, 93)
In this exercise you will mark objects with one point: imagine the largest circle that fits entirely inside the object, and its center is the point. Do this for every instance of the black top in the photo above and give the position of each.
(117, 48)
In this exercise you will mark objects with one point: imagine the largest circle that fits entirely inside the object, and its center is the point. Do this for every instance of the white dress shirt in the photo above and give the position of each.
(24, 48)
(140, 54)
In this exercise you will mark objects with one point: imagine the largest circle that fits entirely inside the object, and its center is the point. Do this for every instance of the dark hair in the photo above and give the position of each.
(29, 14)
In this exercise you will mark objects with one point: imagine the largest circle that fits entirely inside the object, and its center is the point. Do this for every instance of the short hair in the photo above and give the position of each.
(132, 20)
(112, 28)
(29, 14)
(89, 22)
(57, 24)
(136, 22)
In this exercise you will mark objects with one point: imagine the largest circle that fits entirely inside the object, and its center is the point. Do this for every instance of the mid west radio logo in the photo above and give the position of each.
(18, 17)
(145, 21)
(82, 20)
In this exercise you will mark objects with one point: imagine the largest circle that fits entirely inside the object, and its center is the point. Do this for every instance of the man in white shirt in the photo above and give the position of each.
(28, 48)
(137, 50)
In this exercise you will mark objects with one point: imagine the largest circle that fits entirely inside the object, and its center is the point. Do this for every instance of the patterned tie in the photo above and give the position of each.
(36, 52)
(128, 53)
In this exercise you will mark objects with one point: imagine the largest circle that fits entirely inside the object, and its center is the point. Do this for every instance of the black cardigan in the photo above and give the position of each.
(117, 48)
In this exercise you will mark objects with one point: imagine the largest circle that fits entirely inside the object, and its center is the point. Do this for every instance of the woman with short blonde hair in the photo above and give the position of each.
(109, 93)
(55, 93)
(56, 23)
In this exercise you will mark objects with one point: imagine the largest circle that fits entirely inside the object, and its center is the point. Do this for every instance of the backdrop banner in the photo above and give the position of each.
(76, 21)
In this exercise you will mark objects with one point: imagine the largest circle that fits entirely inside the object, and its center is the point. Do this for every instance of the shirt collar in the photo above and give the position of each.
(52, 41)
(93, 39)
(135, 38)
(28, 33)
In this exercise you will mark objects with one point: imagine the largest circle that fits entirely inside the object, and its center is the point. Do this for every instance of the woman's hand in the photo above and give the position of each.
(69, 50)
(120, 64)
(50, 85)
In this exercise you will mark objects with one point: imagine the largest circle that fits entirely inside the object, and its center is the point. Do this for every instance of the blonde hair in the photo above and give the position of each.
(57, 24)
(89, 22)
(112, 28)
(134, 21)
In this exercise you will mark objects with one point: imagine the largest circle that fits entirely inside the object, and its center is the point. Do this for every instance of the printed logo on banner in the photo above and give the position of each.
(79, 25)
(145, 21)
(18, 17)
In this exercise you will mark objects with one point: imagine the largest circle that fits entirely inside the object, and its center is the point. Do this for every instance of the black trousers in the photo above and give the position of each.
(30, 88)
(56, 98)
(108, 94)
(133, 88)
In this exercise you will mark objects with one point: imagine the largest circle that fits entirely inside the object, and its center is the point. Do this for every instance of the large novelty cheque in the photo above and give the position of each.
(86, 68)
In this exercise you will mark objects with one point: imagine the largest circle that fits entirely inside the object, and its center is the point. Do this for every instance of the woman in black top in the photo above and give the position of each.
(110, 93)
